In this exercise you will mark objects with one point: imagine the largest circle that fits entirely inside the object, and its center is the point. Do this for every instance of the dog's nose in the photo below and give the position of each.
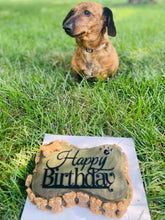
(68, 27)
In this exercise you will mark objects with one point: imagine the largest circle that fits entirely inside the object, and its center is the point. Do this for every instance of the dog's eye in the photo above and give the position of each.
(71, 12)
(87, 13)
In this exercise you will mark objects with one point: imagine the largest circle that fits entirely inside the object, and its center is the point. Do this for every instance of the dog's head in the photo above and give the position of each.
(88, 20)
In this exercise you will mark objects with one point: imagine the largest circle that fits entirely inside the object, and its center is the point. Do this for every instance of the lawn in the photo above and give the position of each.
(39, 94)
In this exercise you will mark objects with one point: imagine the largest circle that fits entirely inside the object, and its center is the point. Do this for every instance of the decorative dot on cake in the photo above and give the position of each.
(106, 152)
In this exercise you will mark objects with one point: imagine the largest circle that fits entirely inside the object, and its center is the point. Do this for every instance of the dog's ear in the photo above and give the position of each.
(107, 13)
(68, 16)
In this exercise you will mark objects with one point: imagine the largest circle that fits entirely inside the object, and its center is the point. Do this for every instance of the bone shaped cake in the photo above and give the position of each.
(95, 178)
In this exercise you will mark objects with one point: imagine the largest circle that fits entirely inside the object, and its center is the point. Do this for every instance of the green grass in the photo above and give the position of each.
(39, 94)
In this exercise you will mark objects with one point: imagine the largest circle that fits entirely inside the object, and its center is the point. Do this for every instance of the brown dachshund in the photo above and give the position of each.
(90, 24)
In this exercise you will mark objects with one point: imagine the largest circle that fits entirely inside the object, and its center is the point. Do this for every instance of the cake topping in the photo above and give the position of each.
(51, 147)
(94, 171)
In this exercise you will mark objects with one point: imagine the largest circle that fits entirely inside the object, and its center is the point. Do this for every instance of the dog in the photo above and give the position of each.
(90, 24)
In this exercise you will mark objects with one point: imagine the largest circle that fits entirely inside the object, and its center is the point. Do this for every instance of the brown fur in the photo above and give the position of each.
(95, 55)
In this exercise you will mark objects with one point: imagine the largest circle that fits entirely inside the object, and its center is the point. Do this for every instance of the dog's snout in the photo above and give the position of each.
(68, 27)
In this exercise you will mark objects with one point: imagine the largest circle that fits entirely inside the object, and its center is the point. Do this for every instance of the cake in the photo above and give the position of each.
(95, 178)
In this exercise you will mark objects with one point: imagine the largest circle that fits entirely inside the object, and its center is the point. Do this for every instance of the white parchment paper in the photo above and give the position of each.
(138, 210)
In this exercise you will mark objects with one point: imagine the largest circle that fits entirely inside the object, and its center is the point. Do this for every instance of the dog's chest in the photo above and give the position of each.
(89, 63)
(88, 60)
